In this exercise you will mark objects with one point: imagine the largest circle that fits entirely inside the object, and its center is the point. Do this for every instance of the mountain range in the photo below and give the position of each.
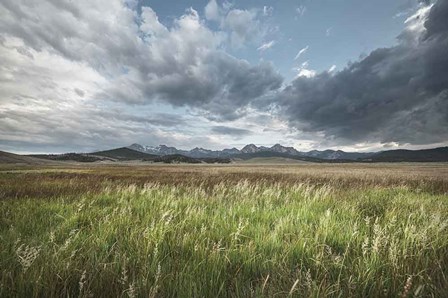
(251, 149)
(167, 154)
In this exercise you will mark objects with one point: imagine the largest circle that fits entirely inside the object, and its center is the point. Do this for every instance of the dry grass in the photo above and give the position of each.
(73, 180)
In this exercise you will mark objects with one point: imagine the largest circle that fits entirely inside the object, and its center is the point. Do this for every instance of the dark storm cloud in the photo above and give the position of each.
(437, 21)
(158, 119)
(394, 94)
(226, 130)
(225, 85)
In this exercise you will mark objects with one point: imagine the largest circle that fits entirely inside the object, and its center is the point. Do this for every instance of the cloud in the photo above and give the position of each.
(226, 130)
(139, 59)
(150, 25)
(212, 11)
(301, 10)
(307, 73)
(243, 26)
(268, 10)
(304, 71)
(425, 2)
(88, 74)
(80, 92)
(328, 31)
(332, 68)
(396, 94)
(301, 52)
(46, 107)
(266, 46)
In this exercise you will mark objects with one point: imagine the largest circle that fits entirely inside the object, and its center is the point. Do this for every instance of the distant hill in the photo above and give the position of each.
(178, 158)
(200, 155)
(11, 158)
(216, 160)
(270, 154)
(124, 153)
(270, 160)
(426, 155)
(78, 157)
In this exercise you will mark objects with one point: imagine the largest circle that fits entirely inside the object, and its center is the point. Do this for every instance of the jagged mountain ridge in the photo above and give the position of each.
(249, 149)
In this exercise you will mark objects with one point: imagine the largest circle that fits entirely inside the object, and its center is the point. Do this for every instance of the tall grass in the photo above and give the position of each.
(249, 238)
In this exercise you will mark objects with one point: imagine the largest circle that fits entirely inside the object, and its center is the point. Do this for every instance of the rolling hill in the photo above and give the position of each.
(270, 154)
(77, 157)
(11, 158)
(124, 153)
(427, 155)
(127, 154)
(270, 160)
(178, 158)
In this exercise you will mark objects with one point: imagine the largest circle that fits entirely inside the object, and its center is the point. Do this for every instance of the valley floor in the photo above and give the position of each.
(338, 230)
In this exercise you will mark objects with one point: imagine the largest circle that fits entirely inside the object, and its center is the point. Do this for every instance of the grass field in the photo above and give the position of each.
(306, 230)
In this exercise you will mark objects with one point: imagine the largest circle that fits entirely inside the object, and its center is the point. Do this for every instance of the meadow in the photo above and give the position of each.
(302, 230)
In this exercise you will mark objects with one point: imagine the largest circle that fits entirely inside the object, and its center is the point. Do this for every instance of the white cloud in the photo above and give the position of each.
(266, 46)
(243, 26)
(332, 68)
(301, 52)
(415, 25)
(150, 23)
(212, 11)
(49, 105)
(308, 73)
(304, 71)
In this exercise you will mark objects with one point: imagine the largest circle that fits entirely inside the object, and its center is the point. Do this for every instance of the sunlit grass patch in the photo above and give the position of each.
(228, 239)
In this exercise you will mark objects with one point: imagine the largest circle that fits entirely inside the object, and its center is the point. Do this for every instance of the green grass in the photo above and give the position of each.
(240, 239)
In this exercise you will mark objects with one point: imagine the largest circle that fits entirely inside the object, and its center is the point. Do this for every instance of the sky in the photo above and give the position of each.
(86, 75)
